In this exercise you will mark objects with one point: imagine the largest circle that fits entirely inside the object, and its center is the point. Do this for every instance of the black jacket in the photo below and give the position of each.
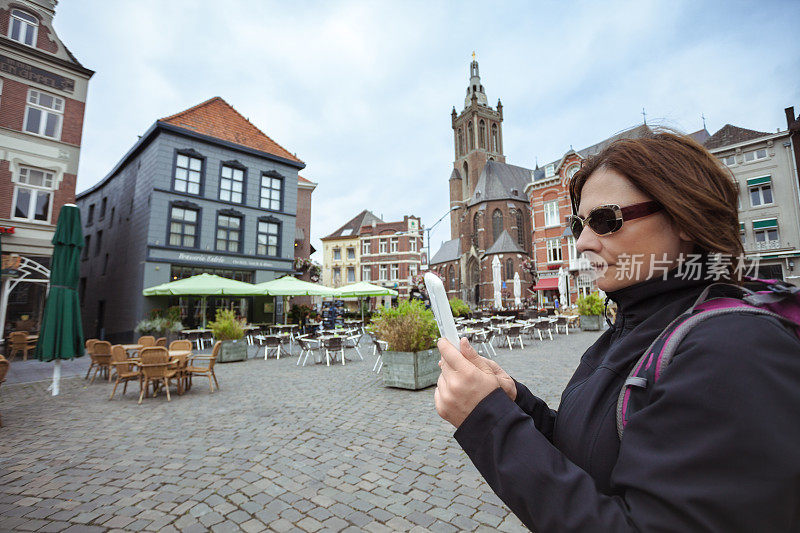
(716, 449)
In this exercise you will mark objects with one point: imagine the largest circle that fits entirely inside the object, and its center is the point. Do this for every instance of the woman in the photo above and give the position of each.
(717, 447)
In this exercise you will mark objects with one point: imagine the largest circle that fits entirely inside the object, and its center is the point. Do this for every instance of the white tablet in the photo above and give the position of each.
(441, 309)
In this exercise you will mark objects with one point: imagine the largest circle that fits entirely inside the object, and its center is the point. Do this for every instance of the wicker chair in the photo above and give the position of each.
(101, 359)
(333, 345)
(182, 344)
(147, 340)
(208, 371)
(161, 341)
(125, 370)
(3, 371)
(156, 369)
(89, 345)
(19, 343)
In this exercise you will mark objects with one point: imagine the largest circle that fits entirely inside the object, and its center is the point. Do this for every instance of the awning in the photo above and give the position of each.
(765, 223)
(546, 284)
(759, 181)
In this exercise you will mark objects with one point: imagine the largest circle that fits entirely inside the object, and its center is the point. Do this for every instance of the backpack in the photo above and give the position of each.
(773, 298)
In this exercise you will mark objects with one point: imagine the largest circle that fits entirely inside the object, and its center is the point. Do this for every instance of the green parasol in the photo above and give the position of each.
(61, 334)
(363, 289)
(291, 286)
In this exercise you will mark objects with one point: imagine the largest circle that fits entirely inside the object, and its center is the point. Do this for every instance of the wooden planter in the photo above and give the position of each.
(411, 370)
(591, 322)
(231, 351)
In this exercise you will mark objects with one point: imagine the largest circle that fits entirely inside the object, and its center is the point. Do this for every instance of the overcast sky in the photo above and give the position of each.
(362, 91)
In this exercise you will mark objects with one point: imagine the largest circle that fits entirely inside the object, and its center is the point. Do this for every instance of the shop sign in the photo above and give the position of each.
(7, 230)
(213, 259)
(11, 261)
(36, 74)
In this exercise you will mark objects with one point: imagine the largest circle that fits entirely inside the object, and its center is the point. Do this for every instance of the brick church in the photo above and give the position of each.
(490, 215)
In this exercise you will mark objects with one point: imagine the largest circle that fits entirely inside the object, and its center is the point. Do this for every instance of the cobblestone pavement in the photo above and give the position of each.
(278, 447)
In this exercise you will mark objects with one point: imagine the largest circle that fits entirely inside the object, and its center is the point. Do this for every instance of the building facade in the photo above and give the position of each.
(490, 214)
(201, 191)
(764, 169)
(42, 100)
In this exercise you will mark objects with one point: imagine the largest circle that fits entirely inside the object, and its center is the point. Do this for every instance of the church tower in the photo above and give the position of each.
(477, 138)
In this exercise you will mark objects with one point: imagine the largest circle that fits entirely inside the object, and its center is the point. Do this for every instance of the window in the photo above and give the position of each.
(509, 268)
(98, 244)
(90, 216)
(551, 214)
(105, 265)
(382, 246)
(571, 249)
(231, 184)
(337, 275)
(766, 233)
(412, 243)
(267, 241)
(366, 273)
(460, 141)
(351, 253)
(393, 244)
(337, 254)
(760, 190)
(572, 170)
(495, 139)
(366, 247)
(271, 189)
(452, 278)
(188, 174)
(33, 194)
(412, 269)
(395, 271)
(382, 269)
(351, 274)
(497, 224)
(553, 250)
(43, 114)
(23, 27)
(742, 232)
(470, 137)
(111, 219)
(476, 224)
(482, 134)
(229, 233)
(755, 155)
(520, 229)
(728, 160)
(103, 209)
(550, 171)
(182, 227)
(87, 242)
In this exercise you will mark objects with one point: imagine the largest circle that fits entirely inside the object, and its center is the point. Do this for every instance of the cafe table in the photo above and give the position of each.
(132, 348)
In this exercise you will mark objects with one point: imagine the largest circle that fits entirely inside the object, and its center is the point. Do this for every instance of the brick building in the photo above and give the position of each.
(203, 190)
(491, 214)
(42, 99)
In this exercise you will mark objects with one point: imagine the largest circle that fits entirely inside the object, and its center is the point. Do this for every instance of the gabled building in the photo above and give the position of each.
(763, 166)
(42, 101)
(203, 190)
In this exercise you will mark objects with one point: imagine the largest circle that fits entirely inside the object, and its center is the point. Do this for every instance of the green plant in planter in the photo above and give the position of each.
(298, 312)
(458, 307)
(409, 327)
(226, 327)
(591, 304)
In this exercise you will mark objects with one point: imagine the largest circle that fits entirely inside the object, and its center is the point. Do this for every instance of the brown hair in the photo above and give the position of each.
(696, 191)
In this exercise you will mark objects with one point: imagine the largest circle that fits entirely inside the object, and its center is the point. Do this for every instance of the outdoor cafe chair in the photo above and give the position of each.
(333, 345)
(271, 342)
(307, 347)
(3, 371)
(484, 338)
(161, 341)
(378, 346)
(352, 341)
(156, 369)
(101, 359)
(562, 322)
(147, 340)
(89, 345)
(185, 345)
(208, 371)
(512, 333)
(125, 370)
(543, 325)
(20, 343)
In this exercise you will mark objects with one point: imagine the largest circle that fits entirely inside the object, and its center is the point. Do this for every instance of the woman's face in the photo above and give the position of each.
(643, 248)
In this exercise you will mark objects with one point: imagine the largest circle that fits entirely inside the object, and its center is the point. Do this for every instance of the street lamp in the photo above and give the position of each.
(428, 231)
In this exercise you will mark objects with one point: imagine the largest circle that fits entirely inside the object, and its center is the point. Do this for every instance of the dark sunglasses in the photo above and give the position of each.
(606, 219)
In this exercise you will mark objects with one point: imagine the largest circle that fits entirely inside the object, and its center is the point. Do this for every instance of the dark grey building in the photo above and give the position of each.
(201, 191)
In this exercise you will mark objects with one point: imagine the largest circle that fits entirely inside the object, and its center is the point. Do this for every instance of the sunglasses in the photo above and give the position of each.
(607, 219)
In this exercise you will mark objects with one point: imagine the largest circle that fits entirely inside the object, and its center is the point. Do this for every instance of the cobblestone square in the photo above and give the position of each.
(279, 447)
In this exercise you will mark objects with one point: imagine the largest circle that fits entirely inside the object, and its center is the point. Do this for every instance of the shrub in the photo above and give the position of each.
(226, 327)
(159, 326)
(458, 307)
(591, 304)
(298, 312)
(409, 327)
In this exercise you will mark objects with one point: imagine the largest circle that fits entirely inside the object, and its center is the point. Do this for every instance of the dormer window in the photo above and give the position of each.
(549, 171)
(23, 27)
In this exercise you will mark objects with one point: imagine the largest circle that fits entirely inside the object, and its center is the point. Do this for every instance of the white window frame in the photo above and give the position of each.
(393, 244)
(412, 244)
(273, 200)
(765, 233)
(26, 27)
(337, 254)
(383, 273)
(186, 183)
(337, 275)
(366, 273)
(551, 214)
(760, 189)
(755, 155)
(22, 181)
(554, 254)
(728, 160)
(366, 247)
(57, 110)
(412, 270)
(572, 250)
(395, 271)
(350, 256)
(351, 278)
(266, 239)
(235, 177)
(550, 171)
(382, 246)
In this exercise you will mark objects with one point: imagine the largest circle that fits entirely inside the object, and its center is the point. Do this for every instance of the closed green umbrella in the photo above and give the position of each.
(61, 334)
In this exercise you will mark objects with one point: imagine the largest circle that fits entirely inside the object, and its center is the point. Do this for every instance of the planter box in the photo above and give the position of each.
(591, 322)
(411, 370)
(231, 351)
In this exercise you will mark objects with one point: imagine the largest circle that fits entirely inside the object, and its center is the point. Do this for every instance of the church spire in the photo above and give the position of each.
(475, 89)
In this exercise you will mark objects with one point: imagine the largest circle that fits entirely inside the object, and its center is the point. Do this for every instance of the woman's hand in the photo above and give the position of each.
(466, 379)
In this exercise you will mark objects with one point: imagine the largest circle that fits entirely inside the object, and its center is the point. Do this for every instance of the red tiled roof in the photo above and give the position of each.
(217, 118)
(729, 135)
(302, 179)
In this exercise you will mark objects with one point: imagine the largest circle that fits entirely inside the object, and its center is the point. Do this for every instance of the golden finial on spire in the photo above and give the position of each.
(473, 55)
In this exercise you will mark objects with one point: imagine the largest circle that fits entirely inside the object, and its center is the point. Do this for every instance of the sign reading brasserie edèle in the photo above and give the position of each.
(36, 74)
